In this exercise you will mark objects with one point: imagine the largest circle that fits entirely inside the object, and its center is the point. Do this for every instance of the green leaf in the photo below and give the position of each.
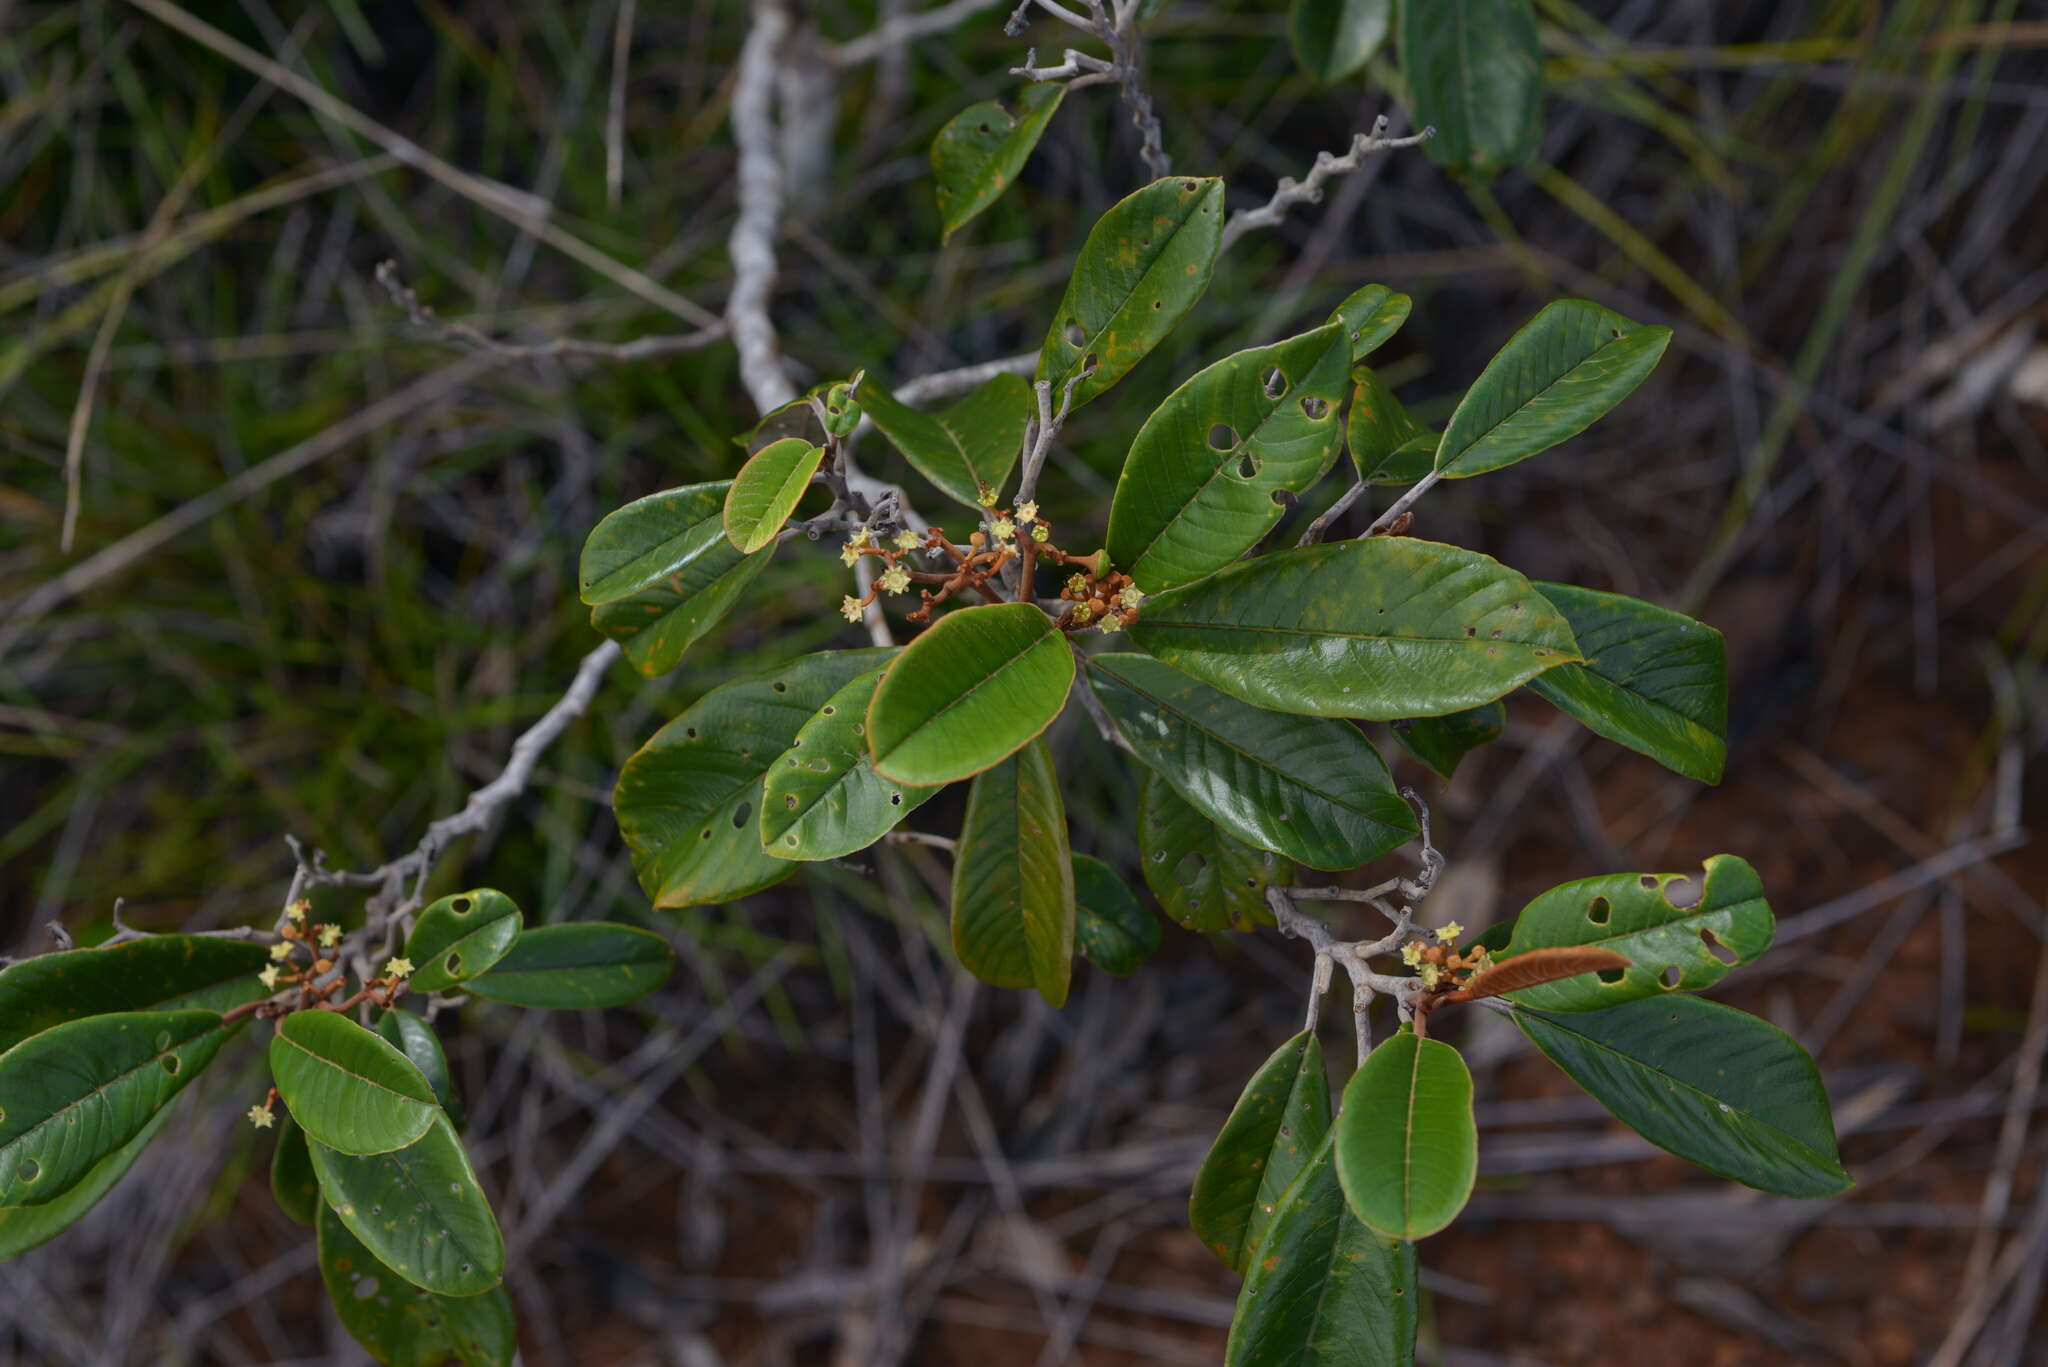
(1201, 485)
(1407, 1147)
(689, 802)
(1326, 1291)
(659, 573)
(1144, 265)
(578, 965)
(1715, 1086)
(401, 1325)
(349, 1089)
(293, 1182)
(972, 690)
(823, 798)
(156, 973)
(1335, 38)
(965, 448)
(1384, 628)
(1277, 1125)
(1494, 939)
(766, 492)
(1654, 680)
(25, 1227)
(1371, 316)
(1568, 365)
(77, 1092)
(1475, 74)
(1440, 742)
(1112, 929)
(1309, 788)
(413, 1037)
(419, 1209)
(1013, 878)
(460, 936)
(1634, 915)
(1206, 879)
(978, 154)
(1387, 446)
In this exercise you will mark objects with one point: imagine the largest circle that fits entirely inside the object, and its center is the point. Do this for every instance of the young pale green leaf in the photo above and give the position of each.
(75, 1093)
(1384, 628)
(766, 492)
(1568, 365)
(1306, 787)
(1199, 488)
(1370, 316)
(157, 973)
(1654, 680)
(1715, 1086)
(419, 1209)
(293, 1183)
(977, 155)
(1013, 878)
(659, 573)
(1336, 38)
(1690, 942)
(1475, 74)
(578, 965)
(348, 1088)
(962, 449)
(1112, 929)
(1206, 879)
(460, 936)
(1144, 265)
(1326, 1291)
(412, 1036)
(688, 803)
(823, 798)
(402, 1325)
(1277, 1125)
(1407, 1147)
(1387, 446)
(25, 1227)
(971, 691)
(1440, 742)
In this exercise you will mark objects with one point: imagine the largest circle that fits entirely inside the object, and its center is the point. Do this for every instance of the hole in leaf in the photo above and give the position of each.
(986, 129)
(453, 963)
(172, 1064)
(1669, 977)
(29, 1170)
(704, 834)
(1717, 949)
(163, 1040)
(1683, 892)
(690, 731)
(1191, 867)
(1222, 438)
(828, 709)
(1275, 382)
(1611, 976)
(789, 801)
(895, 799)
(1247, 465)
(1282, 499)
(1597, 911)
(1158, 303)
(789, 840)
(459, 906)
(1316, 407)
(1075, 335)
(740, 815)
(1649, 882)
(780, 686)
(1091, 362)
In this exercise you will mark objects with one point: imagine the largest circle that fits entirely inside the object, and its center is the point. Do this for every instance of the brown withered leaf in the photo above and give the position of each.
(1538, 966)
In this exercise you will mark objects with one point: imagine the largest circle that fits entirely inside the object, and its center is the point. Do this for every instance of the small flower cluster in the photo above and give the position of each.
(318, 940)
(1109, 601)
(289, 968)
(1439, 965)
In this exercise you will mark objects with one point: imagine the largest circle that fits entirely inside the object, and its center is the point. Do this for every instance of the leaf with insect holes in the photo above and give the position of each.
(578, 966)
(1441, 742)
(1474, 72)
(1144, 265)
(1407, 1147)
(1537, 967)
(767, 490)
(76, 1093)
(25, 1227)
(348, 1088)
(1013, 878)
(1387, 446)
(1207, 879)
(822, 798)
(1277, 1124)
(688, 803)
(461, 936)
(1370, 317)
(964, 448)
(155, 973)
(1336, 38)
(1112, 929)
(975, 688)
(402, 1325)
(1207, 472)
(1726, 924)
(413, 1037)
(419, 1209)
(978, 154)
(293, 1183)
(659, 573)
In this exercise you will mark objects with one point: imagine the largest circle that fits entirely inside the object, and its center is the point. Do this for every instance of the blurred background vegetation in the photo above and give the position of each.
(367, 590)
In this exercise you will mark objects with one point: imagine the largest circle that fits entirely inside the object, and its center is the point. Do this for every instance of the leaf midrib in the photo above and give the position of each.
(987, 677)
(350, 1072)
(1466, 642)
(1531, 400)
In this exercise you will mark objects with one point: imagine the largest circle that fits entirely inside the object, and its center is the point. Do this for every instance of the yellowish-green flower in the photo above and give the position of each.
(907, 540)
(281, 950)
(1027, 511)
(849, 608)
(1076, 582)
(330, 936)
(1002, 529)
(895, 579)
(1430, 975)
(1111, 623)
(296, 911)
(986, 498)
(1450, 932)
(1041, 533)
(1411, 953)
(262, 1117)
(398, 968)
(1083, 613)
(1131, 597)
(268, 977)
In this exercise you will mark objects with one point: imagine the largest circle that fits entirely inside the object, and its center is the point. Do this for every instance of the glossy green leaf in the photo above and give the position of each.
(1371, 316)
(977, 686)
(1144, 265)
(293, 1183)
(1654, 680)
(1336, 38)
(659, 573)
(965, 448)
(1494, 939)
(978, 154)
(1387, 446)
(1201, 485)
(767, 490)
(822, 798)
(1384, 628)
(1715, 1086)
(1277, 1125)
(1407, 1147)
(402, 1325)
(1206, 879)
(348, 1088)
(1475, 74)
(579, 965)
(75, 1093)
(156, 973)
(1440, 742)
(1306, 787)
(415, 1038)
(1013, 878)
(1724, 922)
(1112, 928)
(1326, 1290)
(1568, 365)
(25, 1227)
(461, 936)
(689, 803)
(419, 1209)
